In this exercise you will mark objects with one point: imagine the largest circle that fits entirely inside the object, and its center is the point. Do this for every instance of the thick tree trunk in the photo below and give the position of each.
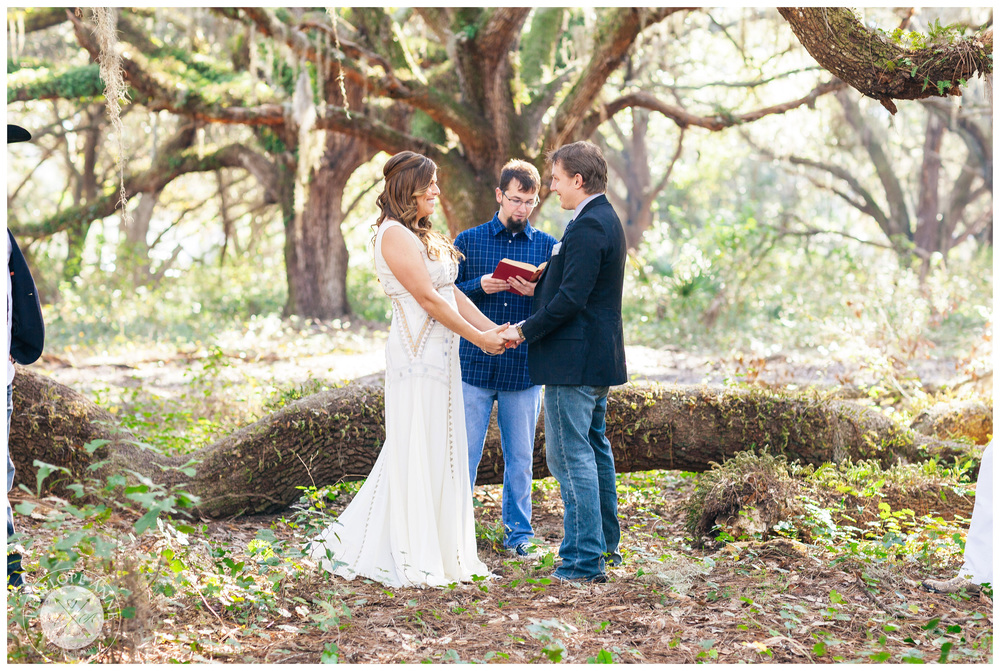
(85, 192)
(336, 436)
(315, 252)
(929, 235)
(467, 198)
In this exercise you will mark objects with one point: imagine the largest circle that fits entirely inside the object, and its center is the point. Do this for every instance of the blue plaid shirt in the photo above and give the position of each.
(483, 247)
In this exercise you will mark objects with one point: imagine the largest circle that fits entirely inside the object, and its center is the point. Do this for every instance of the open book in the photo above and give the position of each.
(508, 268)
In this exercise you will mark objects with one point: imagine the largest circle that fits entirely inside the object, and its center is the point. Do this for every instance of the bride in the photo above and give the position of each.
(411, 523)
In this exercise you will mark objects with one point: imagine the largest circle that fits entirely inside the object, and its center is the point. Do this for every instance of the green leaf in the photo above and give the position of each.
(819, 649)
(603, 657)
(146, 521)
(945, 649)
(329, 654)
(44, 470)
(95, 445)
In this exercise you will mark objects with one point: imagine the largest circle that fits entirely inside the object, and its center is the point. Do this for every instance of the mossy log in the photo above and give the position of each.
(960, 419)
(336, 436)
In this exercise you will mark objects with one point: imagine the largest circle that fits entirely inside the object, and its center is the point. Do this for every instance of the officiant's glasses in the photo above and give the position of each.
(517, 202)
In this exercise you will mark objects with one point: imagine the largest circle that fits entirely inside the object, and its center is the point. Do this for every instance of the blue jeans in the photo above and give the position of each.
(10, 464)
(517, 415)
(579, 456)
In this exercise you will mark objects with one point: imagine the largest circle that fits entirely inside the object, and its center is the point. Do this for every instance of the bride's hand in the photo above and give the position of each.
(492, 342)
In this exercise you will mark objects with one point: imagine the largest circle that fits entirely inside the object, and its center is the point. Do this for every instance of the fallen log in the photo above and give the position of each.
(959, 419)
(336, 436)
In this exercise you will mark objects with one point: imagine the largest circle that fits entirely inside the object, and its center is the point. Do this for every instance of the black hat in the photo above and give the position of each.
(17, 134)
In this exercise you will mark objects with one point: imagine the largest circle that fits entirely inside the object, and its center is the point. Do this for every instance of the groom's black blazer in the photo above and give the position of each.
(27, 335)
(575, 331)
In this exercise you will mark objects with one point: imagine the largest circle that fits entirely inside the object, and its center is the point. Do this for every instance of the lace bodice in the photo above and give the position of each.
(443, 271)
(410, 322)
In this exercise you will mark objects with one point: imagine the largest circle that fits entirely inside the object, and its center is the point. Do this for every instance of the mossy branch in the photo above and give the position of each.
(157, 177)
(878, 67)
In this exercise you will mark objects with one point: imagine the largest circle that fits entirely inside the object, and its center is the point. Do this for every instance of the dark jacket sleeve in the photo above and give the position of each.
(27, 335)
(582, 246)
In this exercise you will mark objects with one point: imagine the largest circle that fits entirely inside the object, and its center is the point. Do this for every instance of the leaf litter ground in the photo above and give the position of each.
(766, 599)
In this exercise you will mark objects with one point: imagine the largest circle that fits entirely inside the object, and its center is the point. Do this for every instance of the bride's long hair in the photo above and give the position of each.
(407, 176)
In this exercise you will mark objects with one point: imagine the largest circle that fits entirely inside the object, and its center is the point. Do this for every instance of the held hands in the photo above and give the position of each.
(512, 338)
(492, 342)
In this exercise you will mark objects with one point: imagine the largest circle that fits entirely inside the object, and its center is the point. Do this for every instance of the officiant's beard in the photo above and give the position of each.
(515, 225)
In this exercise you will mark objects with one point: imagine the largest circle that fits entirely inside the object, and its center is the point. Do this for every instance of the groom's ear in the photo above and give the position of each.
(499, 196)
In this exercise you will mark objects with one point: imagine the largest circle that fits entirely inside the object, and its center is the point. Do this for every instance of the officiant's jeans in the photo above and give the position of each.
(517, 414)
(10, 464)
(579, 456)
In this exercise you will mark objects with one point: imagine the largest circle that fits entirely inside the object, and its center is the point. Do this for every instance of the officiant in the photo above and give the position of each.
(503, 380)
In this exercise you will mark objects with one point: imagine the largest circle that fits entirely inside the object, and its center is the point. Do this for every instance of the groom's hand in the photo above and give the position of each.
(512, 337)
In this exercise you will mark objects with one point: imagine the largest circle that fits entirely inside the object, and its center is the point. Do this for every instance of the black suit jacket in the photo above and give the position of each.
(575, 330)
(27, 328)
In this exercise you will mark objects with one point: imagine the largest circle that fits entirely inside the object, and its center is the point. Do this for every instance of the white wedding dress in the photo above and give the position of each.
(411, 523)
(978, 564)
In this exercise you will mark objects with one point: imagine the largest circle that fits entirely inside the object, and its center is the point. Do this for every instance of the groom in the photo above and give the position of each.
(577, 351)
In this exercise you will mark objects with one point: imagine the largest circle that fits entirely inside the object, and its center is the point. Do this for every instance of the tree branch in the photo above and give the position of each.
(874, 65)
(868, 205)
(461, 119)
(501, 31)
(38, 18)
(438, 20)
(615, 36)
(685, 119)
(156, 96)
(899, 216)
(662, 184)
(380, 135)
(154, 179)
(812, 230)
(746, 84)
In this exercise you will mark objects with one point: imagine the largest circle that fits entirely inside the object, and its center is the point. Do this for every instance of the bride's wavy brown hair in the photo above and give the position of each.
(407, 176)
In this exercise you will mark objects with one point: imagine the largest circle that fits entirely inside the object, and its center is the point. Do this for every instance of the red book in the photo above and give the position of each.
(508, 268)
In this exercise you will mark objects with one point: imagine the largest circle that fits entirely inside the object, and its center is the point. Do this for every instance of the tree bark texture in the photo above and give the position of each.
(336, 436)
(874, 65)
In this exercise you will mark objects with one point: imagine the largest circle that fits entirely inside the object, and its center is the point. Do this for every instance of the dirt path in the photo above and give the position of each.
(341, 356)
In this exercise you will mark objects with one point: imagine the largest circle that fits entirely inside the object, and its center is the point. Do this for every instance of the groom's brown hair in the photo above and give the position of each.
(585, 159)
